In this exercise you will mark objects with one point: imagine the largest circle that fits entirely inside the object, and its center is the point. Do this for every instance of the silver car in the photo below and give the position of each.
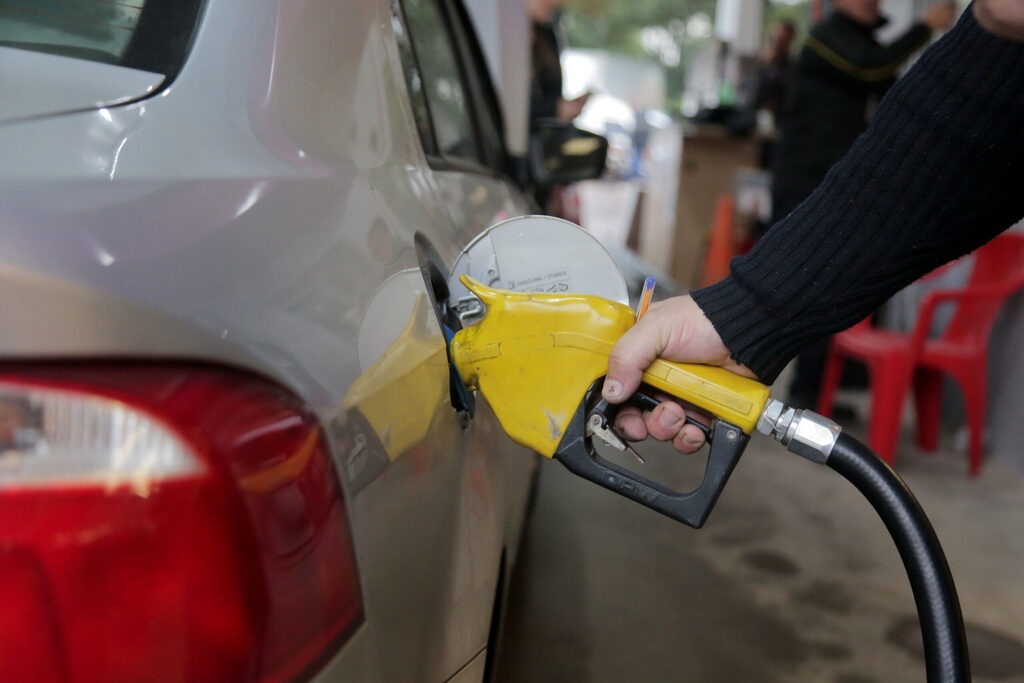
(230, 445)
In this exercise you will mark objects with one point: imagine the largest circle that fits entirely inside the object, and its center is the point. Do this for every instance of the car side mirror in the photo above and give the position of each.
(561, 153)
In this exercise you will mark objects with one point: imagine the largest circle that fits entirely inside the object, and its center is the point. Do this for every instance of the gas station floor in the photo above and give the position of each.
(793, 578)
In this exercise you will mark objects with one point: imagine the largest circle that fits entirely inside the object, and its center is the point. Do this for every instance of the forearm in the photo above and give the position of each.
(937, 174)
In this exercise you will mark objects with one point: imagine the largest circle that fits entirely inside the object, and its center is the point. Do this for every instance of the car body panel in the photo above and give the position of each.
(249, 215)
(73, 84)
(474, 671)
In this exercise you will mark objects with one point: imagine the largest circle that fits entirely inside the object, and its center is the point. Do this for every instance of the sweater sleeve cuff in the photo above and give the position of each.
(755, 335)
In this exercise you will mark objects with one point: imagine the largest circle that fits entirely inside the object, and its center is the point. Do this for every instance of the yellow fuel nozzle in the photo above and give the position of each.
(534, 356)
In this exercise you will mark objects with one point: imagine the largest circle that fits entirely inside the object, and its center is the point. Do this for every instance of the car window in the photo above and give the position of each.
(413, 80)
(442, 81)
(482, 94)
(150, 35)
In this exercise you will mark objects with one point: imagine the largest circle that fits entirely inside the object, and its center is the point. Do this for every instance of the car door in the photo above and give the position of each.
(463, 139)
(461, 131)
(439, 499)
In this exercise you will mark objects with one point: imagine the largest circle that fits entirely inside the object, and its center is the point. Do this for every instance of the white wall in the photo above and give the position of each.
(503, 28)
(738, 22)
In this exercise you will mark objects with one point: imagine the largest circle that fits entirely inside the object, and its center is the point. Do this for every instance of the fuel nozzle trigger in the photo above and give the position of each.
(602, 415)
(576, 452)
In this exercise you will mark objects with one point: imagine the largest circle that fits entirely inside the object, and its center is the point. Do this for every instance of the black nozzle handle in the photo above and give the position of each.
(692, 508)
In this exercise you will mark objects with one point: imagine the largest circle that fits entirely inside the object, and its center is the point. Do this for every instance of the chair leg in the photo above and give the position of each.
(975, 389)
(830, 382)
(889, 381)
(928, 405)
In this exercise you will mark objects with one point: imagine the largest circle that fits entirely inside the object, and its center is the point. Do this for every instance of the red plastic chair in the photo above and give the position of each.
(894, 358)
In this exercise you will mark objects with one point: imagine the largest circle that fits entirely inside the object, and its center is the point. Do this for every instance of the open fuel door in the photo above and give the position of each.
(534, 254)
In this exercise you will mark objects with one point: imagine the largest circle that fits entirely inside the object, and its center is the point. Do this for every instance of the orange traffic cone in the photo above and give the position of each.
(720, 247)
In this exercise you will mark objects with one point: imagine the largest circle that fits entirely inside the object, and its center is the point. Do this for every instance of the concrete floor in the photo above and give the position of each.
(792, 579)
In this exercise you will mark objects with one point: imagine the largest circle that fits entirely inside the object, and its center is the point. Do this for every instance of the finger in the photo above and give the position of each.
(690, 409)
(688, 440)
(665, 421)
(629, 424)
(630, 356)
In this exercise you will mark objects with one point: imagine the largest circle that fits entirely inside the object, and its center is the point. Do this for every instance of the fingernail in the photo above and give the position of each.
(612, 389)
(669, 420)
(691, 440)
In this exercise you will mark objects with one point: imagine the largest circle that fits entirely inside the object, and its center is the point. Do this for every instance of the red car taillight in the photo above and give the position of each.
(166, 523)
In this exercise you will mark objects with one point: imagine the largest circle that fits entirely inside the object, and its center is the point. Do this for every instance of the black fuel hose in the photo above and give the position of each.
(938, 608)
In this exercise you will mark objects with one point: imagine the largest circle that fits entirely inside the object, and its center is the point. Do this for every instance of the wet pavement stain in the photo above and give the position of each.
(859, 565)
(735, 537)
(993, 654)
(854, 678)
(829, 596)
(771, 562)
(823, 522)
(833, 652)
(738, 537)
(738, 526)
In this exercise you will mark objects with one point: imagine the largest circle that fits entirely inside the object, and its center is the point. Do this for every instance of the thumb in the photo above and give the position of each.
(630, 356)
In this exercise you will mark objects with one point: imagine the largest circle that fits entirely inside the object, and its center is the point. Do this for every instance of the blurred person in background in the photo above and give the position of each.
(841, 74)
(546, 101)
(775, 70)
(774, 76)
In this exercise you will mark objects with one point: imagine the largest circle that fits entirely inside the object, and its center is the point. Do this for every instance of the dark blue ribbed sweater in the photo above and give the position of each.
(939, 172)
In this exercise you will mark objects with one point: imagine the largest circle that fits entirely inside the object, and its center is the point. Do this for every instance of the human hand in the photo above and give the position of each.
(1004, 18)
(570, 109)
(939, 17)
(677, 330)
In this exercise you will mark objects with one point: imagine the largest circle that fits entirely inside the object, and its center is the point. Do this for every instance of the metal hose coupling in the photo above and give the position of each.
(803, 432)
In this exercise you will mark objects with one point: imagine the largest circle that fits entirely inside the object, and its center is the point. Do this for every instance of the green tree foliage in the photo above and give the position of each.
(619, 26)
(615, 24)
